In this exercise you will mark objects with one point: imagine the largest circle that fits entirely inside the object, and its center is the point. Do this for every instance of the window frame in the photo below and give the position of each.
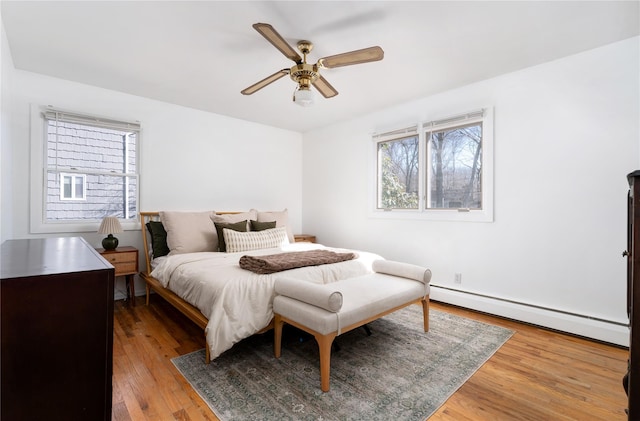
(39, 170)
(439, 214)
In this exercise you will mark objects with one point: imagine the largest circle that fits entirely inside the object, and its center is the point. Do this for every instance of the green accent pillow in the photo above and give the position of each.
(261, 226)
(158, 238)
(237, 226)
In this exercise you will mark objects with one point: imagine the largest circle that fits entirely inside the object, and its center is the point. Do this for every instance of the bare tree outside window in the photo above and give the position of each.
(455, 177)
(398, 168)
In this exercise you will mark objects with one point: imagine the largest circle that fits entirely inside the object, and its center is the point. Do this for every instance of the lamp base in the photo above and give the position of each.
(110, 242)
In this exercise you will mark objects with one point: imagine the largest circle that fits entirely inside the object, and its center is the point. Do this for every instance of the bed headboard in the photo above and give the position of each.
(146, 243)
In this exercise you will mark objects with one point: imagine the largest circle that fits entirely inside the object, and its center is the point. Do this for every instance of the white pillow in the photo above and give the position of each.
(281, 218)
(254, 240)
(189, 232)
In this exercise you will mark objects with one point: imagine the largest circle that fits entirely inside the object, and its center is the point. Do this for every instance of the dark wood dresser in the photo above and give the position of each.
(631, 381)
(57, 330)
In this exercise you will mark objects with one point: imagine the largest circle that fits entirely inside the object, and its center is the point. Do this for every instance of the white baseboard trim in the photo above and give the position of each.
(601, 330)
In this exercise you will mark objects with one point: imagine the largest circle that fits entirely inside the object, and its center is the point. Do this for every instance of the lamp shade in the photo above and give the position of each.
(304, 97)
(110, 225)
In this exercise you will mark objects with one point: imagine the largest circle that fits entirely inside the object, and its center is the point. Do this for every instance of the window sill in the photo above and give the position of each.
(70, 227)
(452, 215)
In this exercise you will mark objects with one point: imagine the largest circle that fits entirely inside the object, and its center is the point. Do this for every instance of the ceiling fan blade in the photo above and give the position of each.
(264, 82)
(325, 87)
(276, 39)
(353, 57)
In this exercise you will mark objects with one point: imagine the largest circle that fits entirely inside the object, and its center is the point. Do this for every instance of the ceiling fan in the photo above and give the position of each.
(305, 74)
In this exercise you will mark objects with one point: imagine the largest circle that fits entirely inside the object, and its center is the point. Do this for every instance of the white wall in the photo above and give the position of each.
(190, 160)
(566, 134)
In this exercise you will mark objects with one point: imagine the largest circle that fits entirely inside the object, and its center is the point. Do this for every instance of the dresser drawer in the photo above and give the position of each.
(125, 268)
(126, 257)
(123, 259)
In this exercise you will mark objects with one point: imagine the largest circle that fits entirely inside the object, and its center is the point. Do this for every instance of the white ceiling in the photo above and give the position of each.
(202, 54)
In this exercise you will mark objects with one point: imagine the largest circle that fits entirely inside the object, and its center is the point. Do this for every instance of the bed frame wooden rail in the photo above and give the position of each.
(152, 283)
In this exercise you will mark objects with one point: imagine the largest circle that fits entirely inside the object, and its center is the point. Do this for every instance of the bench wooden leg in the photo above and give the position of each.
(277, 335)
(425, 312)
(324, 345)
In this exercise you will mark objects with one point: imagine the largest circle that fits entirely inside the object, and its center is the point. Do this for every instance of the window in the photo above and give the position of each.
(73, 186)
(398, 178)
(454, 178)
(438, 169)
(89, 170)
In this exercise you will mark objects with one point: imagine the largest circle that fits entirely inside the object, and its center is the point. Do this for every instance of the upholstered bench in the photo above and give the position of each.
(328, 310)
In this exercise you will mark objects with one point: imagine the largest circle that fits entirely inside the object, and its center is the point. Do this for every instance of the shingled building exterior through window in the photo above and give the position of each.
(89, 169)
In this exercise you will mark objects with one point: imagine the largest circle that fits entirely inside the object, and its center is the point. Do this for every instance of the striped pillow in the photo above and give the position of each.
(244, 241)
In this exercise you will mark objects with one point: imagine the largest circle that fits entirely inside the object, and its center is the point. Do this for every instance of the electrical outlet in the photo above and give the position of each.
(458, 278)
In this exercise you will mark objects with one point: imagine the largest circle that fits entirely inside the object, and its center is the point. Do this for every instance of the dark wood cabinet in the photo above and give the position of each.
(631, 381)
(57, 331)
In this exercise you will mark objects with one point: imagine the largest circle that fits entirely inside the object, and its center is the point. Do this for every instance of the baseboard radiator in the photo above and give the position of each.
(609, 331)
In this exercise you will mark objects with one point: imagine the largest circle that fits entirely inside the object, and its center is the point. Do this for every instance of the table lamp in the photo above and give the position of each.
(110, 225)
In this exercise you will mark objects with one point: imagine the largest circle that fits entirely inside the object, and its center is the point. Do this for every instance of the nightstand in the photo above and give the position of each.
(304, 238)
(125, 260)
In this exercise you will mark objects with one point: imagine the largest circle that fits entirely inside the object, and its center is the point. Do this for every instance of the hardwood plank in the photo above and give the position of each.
(135, 408)
(537, 375)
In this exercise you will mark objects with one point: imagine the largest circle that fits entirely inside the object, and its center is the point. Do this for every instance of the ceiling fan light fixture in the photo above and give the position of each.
(305, 74)
(304, 97)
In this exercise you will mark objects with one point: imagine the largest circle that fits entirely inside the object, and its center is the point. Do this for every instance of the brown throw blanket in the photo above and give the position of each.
(291, 260)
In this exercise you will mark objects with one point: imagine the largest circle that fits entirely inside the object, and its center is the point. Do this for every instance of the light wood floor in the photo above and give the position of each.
(537, 375)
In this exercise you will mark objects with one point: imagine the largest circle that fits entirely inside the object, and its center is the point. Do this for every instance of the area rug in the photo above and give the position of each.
(396, 373)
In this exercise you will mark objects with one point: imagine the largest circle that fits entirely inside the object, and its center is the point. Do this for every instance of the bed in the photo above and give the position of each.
(201, 276)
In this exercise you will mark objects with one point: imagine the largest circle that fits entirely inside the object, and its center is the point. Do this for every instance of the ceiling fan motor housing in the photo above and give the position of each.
(304, 74)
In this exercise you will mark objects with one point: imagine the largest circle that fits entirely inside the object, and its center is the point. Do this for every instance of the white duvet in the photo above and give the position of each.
(237, 302)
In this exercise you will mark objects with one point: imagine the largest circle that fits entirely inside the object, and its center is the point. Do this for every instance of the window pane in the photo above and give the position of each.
(66, 192)
(79, 187)
(105, 195)
(398, 173)
(84, 148)
(456, 167)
